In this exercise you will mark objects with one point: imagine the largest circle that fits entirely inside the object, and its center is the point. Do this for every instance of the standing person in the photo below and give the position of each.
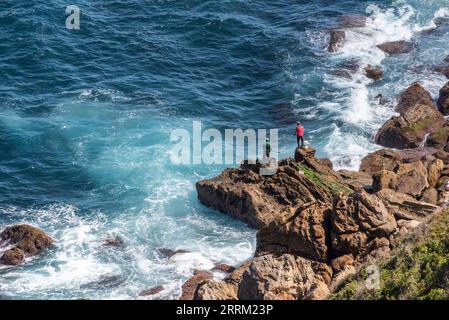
(267, 148)
(300, 134)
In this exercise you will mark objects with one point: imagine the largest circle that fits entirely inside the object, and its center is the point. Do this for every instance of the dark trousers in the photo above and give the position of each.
(300, 139)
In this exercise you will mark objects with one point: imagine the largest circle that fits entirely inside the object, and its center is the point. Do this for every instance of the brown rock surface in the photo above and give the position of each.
(384, 159)
(385, 179)
(269, 277)
(409, 129)
(191, 285)
(443, 100)
(397, 47)
(414, 95)
(25, 240)
(412, 178)
(374, 73)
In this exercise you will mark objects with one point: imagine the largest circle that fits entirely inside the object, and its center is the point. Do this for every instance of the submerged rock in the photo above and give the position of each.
(374, 73)
(352, 21)
(444, 70)
(25, 240)
(151, 291)
(168, 253)
(397, 47)
(337, 38)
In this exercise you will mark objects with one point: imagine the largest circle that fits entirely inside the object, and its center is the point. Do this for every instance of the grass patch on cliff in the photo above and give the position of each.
(417, 270)
(332, 186)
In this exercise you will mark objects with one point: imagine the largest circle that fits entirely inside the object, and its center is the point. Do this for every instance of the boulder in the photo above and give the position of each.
(384, 159)
(151, 291)
(269, 277)
(443, 100)
(385, 179)
(412, 96)
(374, 73)
(412, 178)
(358, 219)
(405, 207)
(302, 234)
(23, 241)
(409, 129)
(191, 285)
(337, 38)
(397, 47)
(444, 70)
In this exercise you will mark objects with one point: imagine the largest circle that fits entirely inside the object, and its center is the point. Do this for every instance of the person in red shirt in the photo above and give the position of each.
(300, 134)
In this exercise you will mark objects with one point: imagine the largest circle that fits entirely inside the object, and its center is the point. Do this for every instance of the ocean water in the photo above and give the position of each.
(86, 117)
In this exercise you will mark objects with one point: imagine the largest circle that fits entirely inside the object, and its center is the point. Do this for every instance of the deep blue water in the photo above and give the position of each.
(86, 117)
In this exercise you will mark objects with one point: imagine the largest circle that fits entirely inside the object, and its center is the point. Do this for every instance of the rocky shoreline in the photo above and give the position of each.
(317, 226)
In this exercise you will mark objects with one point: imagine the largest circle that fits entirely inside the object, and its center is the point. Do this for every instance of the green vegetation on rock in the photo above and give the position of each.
(417, 270)
(333, 187)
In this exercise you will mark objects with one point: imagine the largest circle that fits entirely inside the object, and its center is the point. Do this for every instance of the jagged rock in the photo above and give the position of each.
(434, 169)
(323, 272)
(374, 73)
(269, 277)
(258, 200)
(443, 100)
(384, 159)
(341, 263)
(114, 242)
(191, 285)
(168, 253)
(24, 241)
(410, 128)
(430, 195)
(222, 290)
(412, 178)
(223, 267)
(352, 21)
(444, 70)
(151, 291)
(358, 219)
(412, 96)
(404, 206)
(397, 47)
(385, 179)
(408, 224)
(337, 37)
(303, 234)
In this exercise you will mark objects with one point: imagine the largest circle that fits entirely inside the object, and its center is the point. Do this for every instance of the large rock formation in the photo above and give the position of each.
(22, 241)
(384, 159)
(409, 129)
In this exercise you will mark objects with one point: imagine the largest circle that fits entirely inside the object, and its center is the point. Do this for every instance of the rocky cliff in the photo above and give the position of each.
(318, 227)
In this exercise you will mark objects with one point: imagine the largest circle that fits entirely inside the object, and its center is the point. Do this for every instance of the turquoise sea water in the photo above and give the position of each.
(86, 117)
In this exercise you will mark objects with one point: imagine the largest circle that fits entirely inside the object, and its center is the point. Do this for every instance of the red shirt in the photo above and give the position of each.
(299, 131)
